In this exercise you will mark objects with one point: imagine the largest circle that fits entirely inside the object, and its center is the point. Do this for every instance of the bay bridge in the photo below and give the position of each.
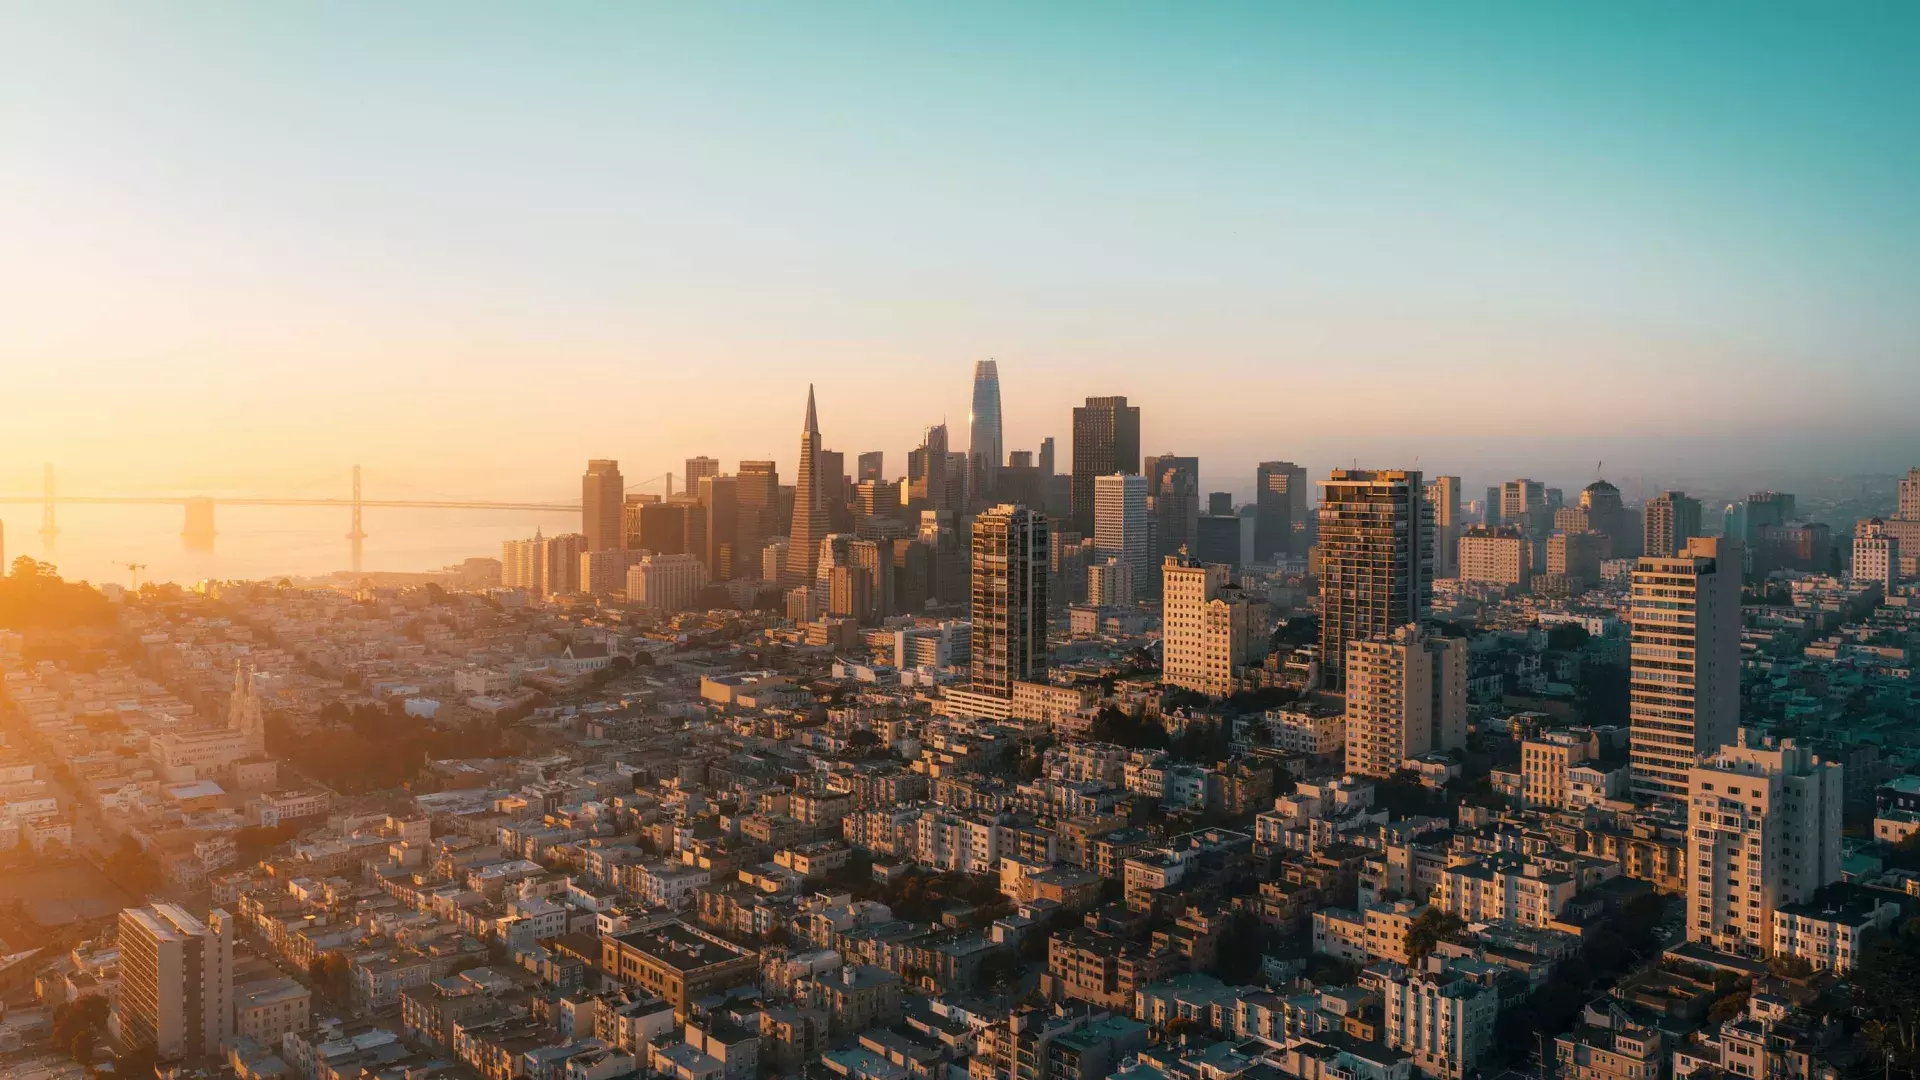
(199, 530)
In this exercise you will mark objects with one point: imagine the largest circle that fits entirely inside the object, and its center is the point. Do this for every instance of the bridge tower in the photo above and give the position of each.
(356, 533)
(47, 528)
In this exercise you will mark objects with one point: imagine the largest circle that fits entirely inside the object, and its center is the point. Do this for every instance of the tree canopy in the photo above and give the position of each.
(33, 596)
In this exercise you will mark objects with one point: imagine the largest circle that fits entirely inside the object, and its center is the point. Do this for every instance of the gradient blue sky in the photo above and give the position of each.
(481, 243)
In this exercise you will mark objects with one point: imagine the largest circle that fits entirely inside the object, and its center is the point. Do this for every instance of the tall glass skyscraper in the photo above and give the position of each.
(986, 442)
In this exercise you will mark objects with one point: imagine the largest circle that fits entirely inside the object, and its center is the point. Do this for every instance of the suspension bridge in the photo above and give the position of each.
(199, 530)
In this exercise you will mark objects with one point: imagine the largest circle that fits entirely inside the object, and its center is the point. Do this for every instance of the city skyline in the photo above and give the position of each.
(1541, 211)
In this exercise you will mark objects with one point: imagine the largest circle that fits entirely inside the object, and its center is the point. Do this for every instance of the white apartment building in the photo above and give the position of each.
(1876, 554)
(1442, 1020)
(1504, 888)
(666, 582)
(1764, 832)
(176, 981)
(267, 1009)
(1829, 929)
(1209, 626)
(1406, 696)
(1120, 526)
(1499, 556)
(1316, 731)
(1685, 662)
(1109, 583)
(956, 844)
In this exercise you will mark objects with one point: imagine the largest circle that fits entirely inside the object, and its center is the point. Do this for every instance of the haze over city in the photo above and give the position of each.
(836, 541)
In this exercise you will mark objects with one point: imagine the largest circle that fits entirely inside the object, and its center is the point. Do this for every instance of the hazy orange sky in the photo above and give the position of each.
(249, 246)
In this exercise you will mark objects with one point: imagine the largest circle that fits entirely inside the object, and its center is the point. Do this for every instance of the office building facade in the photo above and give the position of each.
(602, 497)
(1106, 440)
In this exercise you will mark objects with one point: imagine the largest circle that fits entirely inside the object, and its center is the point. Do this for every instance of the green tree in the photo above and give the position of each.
(1429, 928)
(1887, 978)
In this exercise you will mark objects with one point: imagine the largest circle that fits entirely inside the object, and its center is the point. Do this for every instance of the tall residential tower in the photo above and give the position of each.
(1684, 689)
(1376, 560)
(1010, 569)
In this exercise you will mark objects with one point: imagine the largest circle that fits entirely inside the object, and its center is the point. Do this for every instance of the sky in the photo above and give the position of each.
(474, 244)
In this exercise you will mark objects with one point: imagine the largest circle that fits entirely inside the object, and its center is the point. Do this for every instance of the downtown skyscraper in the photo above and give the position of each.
(986, 439)
(1010, 570)
(603, 505)
(1376, 557)
(1106, 440)
(1280, 509)
(809, 509)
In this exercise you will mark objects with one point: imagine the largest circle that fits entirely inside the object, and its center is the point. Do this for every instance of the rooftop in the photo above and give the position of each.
(682, 947)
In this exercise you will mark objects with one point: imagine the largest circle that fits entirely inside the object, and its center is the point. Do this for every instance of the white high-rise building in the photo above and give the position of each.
(1876, 554)
(1120, 525)
(176, 982)
(666, 582)
(1110, 583)
(1210, 626)
(1685, 661)
(1406, 696)
(523, 564)
(1764, 831)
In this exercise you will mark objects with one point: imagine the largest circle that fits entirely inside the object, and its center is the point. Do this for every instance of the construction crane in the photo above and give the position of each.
(133, 570)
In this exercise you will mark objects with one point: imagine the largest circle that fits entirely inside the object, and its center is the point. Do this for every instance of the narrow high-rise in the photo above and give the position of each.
(1010, 571)
(1764, 833)
(698, 469)
(927, 471)
(1406, 696)
(1173, 492)
(1684, 684)
(176, 982)
(757, 490)
(1280, 510)
(1668, 521)
(1908, 506)
(602, 505)
(1106, 440)
(986, 440)
(809, 509)
(1443, 495)
(1376, 559)
(1120, 527)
